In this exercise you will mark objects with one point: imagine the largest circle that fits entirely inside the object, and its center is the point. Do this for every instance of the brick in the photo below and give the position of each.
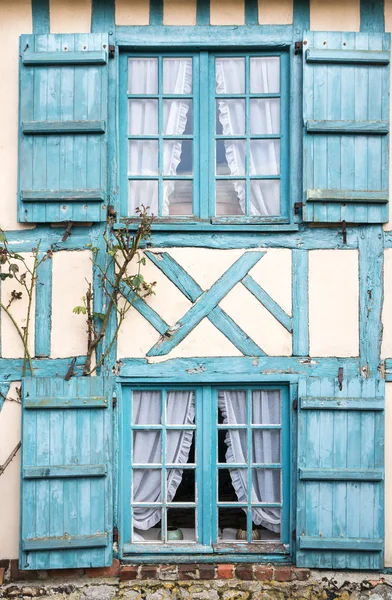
(112, 571)
(225, 571)
(244, 572)
(148, 572)
(301, 574)
(168, 572)
(188, 572)
(207, 571)
(128, 572)
(263, 573)
(66, 572)
(283, 574)
(2, 572)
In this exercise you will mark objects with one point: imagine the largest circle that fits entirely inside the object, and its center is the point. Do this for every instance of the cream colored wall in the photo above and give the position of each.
(227, 12)
(70, 16)
(275, 12)
(129, 12)
(15, 19)
(335, 15)
(179, 12)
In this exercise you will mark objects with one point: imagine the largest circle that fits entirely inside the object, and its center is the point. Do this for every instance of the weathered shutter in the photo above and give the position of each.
(63, 128)
(340, 502)
(346, 127)
(66, 473)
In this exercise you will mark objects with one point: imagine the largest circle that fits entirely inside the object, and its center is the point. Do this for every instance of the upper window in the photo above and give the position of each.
(204, 136)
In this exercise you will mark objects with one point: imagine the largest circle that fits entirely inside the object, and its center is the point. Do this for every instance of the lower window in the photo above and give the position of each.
(205, 469)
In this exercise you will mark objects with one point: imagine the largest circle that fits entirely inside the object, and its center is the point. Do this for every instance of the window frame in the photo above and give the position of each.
(206, 411)
(204, 157)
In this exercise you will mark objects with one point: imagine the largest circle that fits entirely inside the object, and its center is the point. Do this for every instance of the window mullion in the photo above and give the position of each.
(204, 135)
(206, 470)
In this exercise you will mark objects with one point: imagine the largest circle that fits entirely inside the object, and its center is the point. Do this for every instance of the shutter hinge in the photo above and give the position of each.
(112, 51)
(111, 213)
(344, 232)
(115, 535)
(295, 404)
(340, 378)
(297, 207)
(294, 534)
(298, 46)
(114, 401)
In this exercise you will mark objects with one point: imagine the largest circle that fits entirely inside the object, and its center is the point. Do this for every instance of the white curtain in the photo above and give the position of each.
(180, 410)
(143, 120)
(265, 448)
(264, 156)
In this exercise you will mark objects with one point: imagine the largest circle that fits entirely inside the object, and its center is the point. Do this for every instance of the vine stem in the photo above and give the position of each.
(21, 335)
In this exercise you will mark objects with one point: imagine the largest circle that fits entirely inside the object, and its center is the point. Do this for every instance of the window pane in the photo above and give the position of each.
(142, 75)
(265, 75)
(231, 522)
(177, 157)
(266, 485)
(268, 523)
(146, 408)
(264, 115)
(143, 192)
(181, 525)
(230, 117)
(178, 445)
(180, 407)
(266, 407)
(147, 448)
(143, 157)
(265, 157)
(230, 157)
(143, 117)
(146, 485)
(230, 75)
(232, 482)
(230, 197)
(185, 480)
(177, 117)
(265, 446)
(265, 197)
(177, 197)
(177, 75)
(237, 446)
(232, 404)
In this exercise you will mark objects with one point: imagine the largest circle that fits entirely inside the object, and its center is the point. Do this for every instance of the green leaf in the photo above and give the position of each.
(100, 316)
(3, 276)
(137, 280)
(3, 237)
(13, 268)
(80, 310)
(143, 261)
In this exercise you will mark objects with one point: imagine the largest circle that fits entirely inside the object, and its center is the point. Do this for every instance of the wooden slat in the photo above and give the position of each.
(333, 403)
(354, 57)
(341, 474)
(59, 127)
(100, 540)
(269, 303)
(65, 58)
(64, 471)
(330, 543)
(350, 127)
(347, 196)
(41, 402)
(62, 196)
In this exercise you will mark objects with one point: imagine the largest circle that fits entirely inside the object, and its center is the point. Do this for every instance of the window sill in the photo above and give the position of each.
(206, 226)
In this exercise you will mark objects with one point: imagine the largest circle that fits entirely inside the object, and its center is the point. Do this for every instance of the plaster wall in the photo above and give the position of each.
(132, 13)
(179, 12)
(70, 16)
(279, 12)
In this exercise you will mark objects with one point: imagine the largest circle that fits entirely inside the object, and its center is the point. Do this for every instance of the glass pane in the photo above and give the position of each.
(177, 117)
(177, 75)
(180, 407)
(232, 485)
(231, 523)
(146, 485)
(177, 157)
(265, 75)
(266, 485)
(177, 197)
(185, 480)
(147, 447)
(267, 524)
(236, 446)
(264, 197)
(143, 192)
(143, 117)
(230, 197)
(264, 115)
(178, 446)
(266, 407)
(230, 117)
(233, 405)
(143, 157)
(181, 525)
(230, 157)
(264, 157)
(142, 76)
(230, 75)
(146, 408)
(265, 446)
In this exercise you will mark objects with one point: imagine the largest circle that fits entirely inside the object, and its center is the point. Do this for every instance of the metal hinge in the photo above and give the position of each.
(111, 213)
(340, 378)
(297, 207)
(114, 401)
(115, 535)
(298, 46)
(295, 404)
(294, 534)
(112, 51)
(344, 232)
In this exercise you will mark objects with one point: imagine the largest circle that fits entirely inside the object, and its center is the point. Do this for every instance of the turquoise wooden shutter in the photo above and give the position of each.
(63, 128)
(340, 501)
(346, 127)
(66, 485)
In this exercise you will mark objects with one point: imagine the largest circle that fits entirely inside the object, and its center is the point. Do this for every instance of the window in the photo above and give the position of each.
(204, 137)
(205, 469)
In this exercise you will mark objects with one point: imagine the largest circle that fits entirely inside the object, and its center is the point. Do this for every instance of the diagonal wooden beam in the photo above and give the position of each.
(268, 303)
(206, 303)
(146, 311)
(218, 317)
